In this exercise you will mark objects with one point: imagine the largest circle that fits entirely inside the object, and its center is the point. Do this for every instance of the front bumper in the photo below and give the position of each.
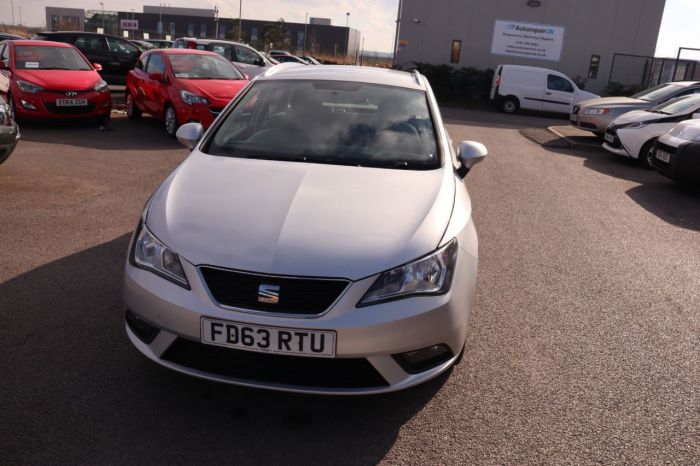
(684, 162)
(43, 105)
(369, 335)
(199, 113)
(595, 123)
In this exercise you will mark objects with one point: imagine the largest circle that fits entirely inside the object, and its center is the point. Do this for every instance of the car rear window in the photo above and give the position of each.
(335, 122)
(46, 57)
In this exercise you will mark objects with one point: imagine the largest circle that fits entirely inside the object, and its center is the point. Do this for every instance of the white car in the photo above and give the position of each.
(319, 238)
(517, 87)
(633, 134)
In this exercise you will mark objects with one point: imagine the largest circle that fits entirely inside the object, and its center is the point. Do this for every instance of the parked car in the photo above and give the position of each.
(634, 133)
(517, 87)
(310, 60)
(142, 45)
(52, 80)
(287, 58)
(159, 43)
(116, 55)
(269, 58)
(8, 36)
(292, 251)
(677, 153)
(249, 60)
(596, 115)
(9, 132)
(181, 85)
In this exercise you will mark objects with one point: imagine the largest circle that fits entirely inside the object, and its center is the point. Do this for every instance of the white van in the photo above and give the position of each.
(528, 87)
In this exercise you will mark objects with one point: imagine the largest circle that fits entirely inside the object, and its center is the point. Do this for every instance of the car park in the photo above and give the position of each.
(52, 80)
(115, 55)
(249, 60)
(677, 153)
(9, 132)
(291, 250)
(517, 87)
(634, 133)
(181, 85)
(596, 115)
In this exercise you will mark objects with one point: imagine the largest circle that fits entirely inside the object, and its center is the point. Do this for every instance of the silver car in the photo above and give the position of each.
(9, 132)
(596, 115)
(318, 238)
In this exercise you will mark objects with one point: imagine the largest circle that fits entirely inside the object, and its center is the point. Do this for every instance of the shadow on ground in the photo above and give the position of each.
(674, 203)
(490, 117)
(122, 134)
(75, 391)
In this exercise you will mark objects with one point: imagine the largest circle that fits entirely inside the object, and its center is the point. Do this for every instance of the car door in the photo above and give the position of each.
(124, 55)
(154, 85)
(137, 82)
(558, 94)
(94, 48)
(5, 73)
(249, 61)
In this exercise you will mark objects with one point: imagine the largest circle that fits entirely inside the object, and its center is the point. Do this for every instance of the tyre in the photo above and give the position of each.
(170, 121)
(646, 154)
(11, 105)
(510, 105)
(132, 111)
(102, 122)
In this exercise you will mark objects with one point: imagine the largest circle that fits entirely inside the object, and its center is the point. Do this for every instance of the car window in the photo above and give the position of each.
(155, 64)
(245, 55)
(557, 83)
(5, 54)
(658, 93)
(46, 57)
(121, 47)
(679, 106)
(333, 122)
(89, 43)
(224, 50)
(140, 63)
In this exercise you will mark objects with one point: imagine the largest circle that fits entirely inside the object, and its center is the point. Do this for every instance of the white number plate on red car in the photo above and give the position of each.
(663, 156)
(71, 102)
(263, 339)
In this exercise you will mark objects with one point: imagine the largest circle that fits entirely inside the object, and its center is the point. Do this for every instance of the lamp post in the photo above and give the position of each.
(102, 5)
(396, 35)
(306, 22)
(347, 37)
(12, 7)
(216, 20)
(240, 19)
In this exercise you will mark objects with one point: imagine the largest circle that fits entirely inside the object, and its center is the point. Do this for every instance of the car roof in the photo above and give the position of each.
(684, 83)
(49, 43)
(363, 74)
(183, 52)
(531, 68)
(73, 33)
(210, 41)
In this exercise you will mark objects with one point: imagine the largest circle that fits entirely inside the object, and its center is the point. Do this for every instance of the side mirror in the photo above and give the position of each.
(97, 66)
(469, 153)
(158, 77)
(189, 134)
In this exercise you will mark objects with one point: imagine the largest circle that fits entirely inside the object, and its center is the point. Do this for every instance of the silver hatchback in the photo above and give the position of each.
(318, 238)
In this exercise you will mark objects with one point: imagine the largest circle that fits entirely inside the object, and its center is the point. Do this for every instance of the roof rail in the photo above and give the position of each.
(416, 76)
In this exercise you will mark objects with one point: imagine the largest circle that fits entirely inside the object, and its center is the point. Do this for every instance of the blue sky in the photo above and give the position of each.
(375, 18)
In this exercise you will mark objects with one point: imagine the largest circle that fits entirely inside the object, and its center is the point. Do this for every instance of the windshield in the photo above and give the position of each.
(196, 66)
(663, 91)
(335, 122)
(46, 57)
(679, 106)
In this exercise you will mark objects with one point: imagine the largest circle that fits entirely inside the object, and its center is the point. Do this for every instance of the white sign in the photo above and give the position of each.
(146, 36)
(132, 24)
(526, 40)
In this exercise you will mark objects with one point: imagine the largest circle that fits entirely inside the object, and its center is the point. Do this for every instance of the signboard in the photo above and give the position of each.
(526, 40)
(130, 24)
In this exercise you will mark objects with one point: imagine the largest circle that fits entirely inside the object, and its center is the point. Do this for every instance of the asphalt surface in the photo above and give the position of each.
(584, 345)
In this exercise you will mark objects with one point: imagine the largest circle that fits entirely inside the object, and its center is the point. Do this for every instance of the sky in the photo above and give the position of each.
(374, 18)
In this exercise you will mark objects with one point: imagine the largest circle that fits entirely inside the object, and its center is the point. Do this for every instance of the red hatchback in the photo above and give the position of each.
(51, 80)
(181, 85)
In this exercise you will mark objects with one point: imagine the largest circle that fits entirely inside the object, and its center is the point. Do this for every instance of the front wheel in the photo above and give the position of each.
(132, 111)
(646, 155)
(170, 121)
(510, 105)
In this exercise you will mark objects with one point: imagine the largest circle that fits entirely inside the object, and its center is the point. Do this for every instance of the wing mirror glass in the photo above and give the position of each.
(189, 134)
(97, 66)
(469, 153)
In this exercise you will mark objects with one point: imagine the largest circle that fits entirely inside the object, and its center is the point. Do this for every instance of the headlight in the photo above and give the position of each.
(686, 132)
(596, 111)
(190, 98)
(150, 254)
(26, 86)
(430, 275)
(100, 86)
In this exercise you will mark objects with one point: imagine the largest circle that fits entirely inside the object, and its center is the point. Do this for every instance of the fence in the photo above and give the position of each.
(639, 71)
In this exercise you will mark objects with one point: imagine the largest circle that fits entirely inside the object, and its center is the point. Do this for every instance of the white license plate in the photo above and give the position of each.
(573, 118)
(263, 339)
(609, 137)
(71, 102)
(663, 156)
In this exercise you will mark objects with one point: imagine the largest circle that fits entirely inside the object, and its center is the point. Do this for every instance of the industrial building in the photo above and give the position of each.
(318, 37)
(598, 41)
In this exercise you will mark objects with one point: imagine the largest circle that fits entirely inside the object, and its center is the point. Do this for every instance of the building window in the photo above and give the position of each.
(54, 22)
(593, 68)
(203, 30)
(253, 34)
(172, 29)
(456, 51)
(190, 30)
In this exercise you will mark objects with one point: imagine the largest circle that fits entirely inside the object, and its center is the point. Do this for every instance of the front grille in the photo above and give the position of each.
(306, 296)
(278, 369)
(615, 143)
(53, 108)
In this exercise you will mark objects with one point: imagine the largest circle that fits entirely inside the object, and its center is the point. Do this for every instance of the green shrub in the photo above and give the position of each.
(455, 85)
(622, 90)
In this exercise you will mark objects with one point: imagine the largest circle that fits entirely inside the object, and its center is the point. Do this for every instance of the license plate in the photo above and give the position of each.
(71, 102)
(609, 137)
(663, 156)
(573, 118)
(263, 339)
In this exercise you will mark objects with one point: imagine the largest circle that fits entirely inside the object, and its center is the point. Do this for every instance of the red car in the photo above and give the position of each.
(181, 85)
(49, 80)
